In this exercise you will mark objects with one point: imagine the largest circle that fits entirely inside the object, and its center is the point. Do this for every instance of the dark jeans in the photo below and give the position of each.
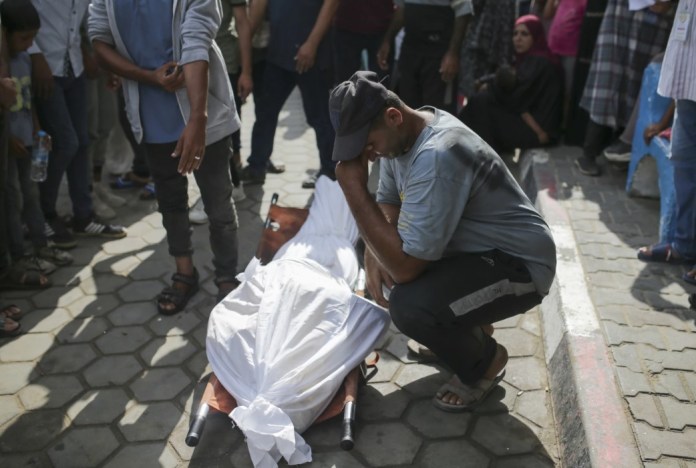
(348, 47)
(420, 82)
(445, 307)
(63, 115)
(597, 137)
(501, 128)
(139, 166)
(4, 247)
(278, 83)
(213, 179)
(23, 205)
(684, 162)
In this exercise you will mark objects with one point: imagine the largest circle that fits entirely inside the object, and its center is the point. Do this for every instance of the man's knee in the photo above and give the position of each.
(406, 310)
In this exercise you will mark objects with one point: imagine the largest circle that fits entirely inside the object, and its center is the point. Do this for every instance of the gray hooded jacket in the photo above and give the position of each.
(194, 27)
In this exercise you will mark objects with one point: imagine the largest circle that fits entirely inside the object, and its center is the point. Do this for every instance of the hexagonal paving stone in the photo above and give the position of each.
(56, 297)
(123, 246)
(387, 444)
(133, 313)
(32, 431)
(526, 373)
(500, 400)
(139, 291)
(168, 351)
(386, 367)
(240, 457)
(503, 434)
(178, 324)
(398, 348)
(98, 407)
(67, 358)
(452, 453)
(534, 406)
(31, 459)
(379, 401)
(422, 380)
(83, 447)
(16, 376)
(103, 283)
(152, 454)
(93, 306)
(124, 266)
(112, 370)
(160, 384)
(433, 423)
(9, 408)
(52, 391)
(123, 340)
(198, 365)
(153, 421)
(45, 320)
(336, 459)
(152, 269)
(26, 347)
(528, 461)
(82, 330)
(325, 434)
(517, 342)
(155, 236)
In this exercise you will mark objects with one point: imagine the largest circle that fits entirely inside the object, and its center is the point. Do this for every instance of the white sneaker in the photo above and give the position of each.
(107, 197)
(238, 193)
(101, 209)
(197, 214)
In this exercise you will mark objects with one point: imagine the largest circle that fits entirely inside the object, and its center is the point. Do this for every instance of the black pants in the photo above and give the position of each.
(420, 81)
(501, 128)
(445, 307)
(139, 166)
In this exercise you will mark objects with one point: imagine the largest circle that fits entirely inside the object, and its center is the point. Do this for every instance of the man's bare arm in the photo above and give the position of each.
(307, 53)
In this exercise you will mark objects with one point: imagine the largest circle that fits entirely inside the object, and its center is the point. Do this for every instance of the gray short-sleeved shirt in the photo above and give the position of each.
(456, 195)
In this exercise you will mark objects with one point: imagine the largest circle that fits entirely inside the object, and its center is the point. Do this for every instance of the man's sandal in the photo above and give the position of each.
(11, 312)
(471, 395)
(178, 297)
(662, 253)
(9, 328)
(20, 278)
(425, 354)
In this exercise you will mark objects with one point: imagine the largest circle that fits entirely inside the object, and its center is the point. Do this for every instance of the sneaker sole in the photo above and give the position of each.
(64, 245)
(586, 172)
(615, 157)
(107, 236)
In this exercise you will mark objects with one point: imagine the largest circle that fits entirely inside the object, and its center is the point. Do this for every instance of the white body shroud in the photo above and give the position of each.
(284, 340)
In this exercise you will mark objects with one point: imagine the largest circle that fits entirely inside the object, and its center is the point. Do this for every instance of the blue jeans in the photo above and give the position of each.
(684, 161)
(278, 83)
(23, 205)
(213, 179)
(63, 115)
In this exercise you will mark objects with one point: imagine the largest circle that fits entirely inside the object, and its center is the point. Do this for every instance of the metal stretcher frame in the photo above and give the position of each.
(281, 225)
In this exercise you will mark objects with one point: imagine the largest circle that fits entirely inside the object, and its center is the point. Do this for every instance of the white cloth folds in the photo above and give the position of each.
(284, 340)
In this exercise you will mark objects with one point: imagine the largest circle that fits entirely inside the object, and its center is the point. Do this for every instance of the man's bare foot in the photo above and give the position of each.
(456, 393)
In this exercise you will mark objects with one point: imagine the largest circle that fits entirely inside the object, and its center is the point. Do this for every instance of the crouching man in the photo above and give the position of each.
(451, 234)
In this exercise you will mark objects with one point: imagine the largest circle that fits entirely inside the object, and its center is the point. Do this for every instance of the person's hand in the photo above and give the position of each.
(306, 55)
(91, 68)
(543, 137)
(651, 131)
(16, 147)
(353, 173)
(170, 77)
(41, 76)
(383, 55)
(375, 276)
(449, 66)
(245, 85)
(8, 93)
(190, 149)
(113, 82)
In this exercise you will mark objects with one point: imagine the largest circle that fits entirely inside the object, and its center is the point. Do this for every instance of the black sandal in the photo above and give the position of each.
(178, 297)
(221, 294)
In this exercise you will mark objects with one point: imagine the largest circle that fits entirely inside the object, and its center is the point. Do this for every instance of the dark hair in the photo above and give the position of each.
(19, 15)
(393, 100)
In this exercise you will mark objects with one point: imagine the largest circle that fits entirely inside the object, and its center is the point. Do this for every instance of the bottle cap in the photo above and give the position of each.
(42, 133)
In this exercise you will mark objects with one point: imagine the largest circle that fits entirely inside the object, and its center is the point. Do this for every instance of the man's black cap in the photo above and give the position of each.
(353, 105)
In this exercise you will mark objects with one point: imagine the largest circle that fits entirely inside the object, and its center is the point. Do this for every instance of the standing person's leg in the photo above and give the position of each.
(409, 86)
(347, 49)
(236, 159)
(447, 316)
(684, 162)
(13, 207)
(56, 121)
(596, 138)
(436, 92)
(216, 189)
(139, 168)
(314, 86)
(278, 83)
(372, 43)
(171, 189)
(4, 247)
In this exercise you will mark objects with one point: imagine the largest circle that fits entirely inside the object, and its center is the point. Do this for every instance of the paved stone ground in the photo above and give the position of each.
(644, 311)
(101, 379)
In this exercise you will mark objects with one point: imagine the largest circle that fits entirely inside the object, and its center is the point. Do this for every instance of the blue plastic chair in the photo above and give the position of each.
(653, 177)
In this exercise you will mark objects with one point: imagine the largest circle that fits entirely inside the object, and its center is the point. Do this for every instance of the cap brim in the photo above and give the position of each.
(349, 147)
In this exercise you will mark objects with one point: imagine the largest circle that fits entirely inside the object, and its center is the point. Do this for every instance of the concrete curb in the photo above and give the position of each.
(591, 418)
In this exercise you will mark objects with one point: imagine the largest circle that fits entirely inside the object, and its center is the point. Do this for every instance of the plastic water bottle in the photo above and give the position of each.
(39, 156)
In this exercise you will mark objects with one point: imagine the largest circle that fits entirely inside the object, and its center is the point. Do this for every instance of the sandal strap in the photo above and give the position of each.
(186, 279)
